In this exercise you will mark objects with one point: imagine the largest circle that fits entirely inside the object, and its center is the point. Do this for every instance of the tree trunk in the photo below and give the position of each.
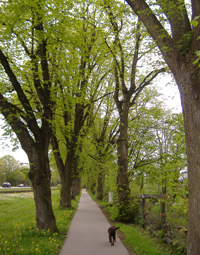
(123, 190)
(65, 172)
(122, 177)
(75, 189)
(188, 79)
(100, 185)
(40, 177)
(65, 200)
(66, 195)
(78, 186)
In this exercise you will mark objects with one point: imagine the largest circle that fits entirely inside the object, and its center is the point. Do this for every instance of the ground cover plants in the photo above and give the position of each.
(140, 242)
(18, 232)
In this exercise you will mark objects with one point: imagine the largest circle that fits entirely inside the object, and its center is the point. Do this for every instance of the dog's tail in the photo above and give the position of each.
(116, 228)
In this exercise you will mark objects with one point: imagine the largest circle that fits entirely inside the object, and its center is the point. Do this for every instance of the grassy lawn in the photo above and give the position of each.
(18, 232)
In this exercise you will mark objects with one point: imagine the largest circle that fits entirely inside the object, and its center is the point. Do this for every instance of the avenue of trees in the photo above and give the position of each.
(77, 87)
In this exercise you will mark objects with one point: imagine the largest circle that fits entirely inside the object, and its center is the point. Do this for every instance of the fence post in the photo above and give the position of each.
(163, 215)
(143, 209)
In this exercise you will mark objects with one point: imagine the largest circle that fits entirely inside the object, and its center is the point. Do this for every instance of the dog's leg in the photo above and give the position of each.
(114, 237)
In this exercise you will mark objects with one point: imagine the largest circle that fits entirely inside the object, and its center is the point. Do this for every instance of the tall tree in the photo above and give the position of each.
(26, 93)
(128, 86)
(179, 47)
(84, 83)
(104, 131)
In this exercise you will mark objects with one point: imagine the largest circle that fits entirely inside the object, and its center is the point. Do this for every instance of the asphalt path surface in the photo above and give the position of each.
(88, 232)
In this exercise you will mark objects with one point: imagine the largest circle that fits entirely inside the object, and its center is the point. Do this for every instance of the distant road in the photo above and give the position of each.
(19, 189)
(16, 188)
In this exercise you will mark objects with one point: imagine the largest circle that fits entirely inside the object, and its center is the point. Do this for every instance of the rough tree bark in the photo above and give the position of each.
(100, 186)
(40, 177)
(65, 175)
(178, 50)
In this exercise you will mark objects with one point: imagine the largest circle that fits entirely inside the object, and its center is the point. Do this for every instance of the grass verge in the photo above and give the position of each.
(140, 242)
(18, 232)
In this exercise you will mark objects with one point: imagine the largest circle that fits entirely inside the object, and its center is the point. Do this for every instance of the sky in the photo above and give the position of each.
(172, 101)
(171, 95)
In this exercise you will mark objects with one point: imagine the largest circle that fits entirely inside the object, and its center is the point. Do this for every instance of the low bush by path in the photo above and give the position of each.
(18, 232)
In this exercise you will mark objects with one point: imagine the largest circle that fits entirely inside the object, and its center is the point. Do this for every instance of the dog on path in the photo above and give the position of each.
(112, 234)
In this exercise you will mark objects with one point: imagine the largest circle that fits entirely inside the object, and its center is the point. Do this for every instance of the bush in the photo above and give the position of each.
(129, 213)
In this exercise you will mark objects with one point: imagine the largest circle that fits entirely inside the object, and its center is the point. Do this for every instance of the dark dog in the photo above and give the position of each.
(112, 234)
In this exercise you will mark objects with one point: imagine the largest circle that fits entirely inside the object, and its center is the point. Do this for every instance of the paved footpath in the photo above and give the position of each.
(88, 232)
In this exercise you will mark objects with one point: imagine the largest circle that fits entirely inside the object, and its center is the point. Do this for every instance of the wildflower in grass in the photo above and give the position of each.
(6, 241)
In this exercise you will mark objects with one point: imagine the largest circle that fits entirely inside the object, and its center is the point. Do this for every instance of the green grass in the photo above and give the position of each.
(18, 232)
(140, 242)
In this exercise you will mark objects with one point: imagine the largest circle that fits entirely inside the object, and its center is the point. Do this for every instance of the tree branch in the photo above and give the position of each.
(154, 27)
(11, 115)
(22, 97)
(135, 57)
(146, 81)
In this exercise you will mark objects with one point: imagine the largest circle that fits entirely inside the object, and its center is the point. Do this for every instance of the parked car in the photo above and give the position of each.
(21, 185)
(6, 185)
